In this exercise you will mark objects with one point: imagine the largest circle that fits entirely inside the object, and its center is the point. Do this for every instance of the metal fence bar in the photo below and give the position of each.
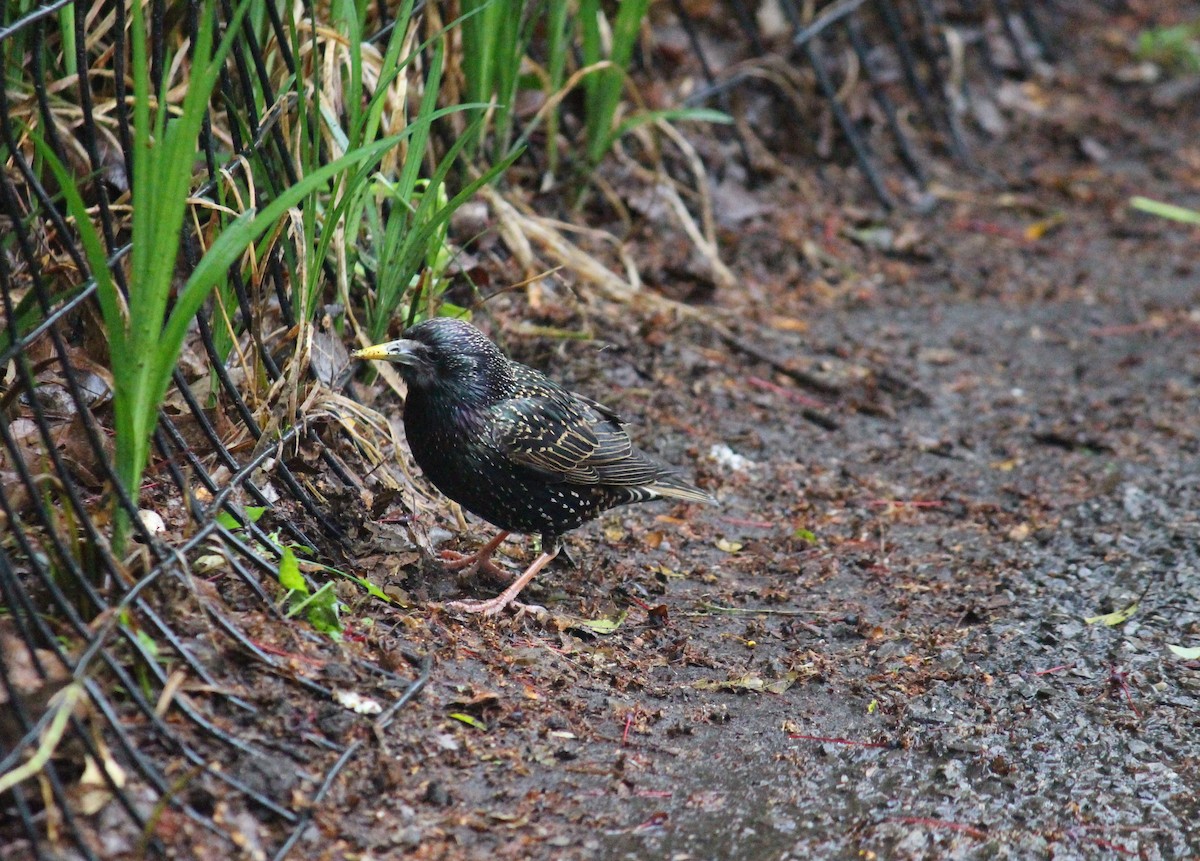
(886, 105)
(74, 595)
(861, 155)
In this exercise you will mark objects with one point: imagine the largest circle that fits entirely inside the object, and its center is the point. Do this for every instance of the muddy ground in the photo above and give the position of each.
(877, 644)
(940, 445)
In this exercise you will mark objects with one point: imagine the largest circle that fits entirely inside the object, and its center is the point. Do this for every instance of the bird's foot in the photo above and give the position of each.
(480, 560)
(495, 606)
(509, 595)
(452, 560)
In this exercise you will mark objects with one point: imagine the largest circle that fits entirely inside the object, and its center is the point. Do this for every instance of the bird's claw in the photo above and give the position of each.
(452, 560)
(536, 610)
(495, 607)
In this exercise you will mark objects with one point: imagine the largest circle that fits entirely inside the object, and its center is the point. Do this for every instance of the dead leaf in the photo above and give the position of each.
(602, 627)
(1118, 617)
(92, 794)
(749, 684)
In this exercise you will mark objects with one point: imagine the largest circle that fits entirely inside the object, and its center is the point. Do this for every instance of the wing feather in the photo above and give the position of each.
(570, 439)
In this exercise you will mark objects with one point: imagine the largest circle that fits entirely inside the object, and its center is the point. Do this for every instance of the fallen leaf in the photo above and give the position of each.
(787, 324)
(208, 563)
(227, 520)
(469, 721)
(600, 626)
(93, 793)
(1118, 617)
(804, 535)
(289, 572)
(1039, 229)
(749, 683)
(614, 533)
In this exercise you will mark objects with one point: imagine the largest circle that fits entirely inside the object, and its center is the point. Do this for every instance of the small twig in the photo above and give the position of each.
(326, 785)
(782, 391)
(1074, 834)
(804, 378)
(1108, 844)
(969, 830)
(810, 408)
(822, 420)
(1118, 678)
(747, 611)
(269, 649)
(833, 740)
(989, 228)
(1154, 324)
(425, 667)
(1068, 442)
(748, 523)
(635, 599)
(628, 725)
(656, 820)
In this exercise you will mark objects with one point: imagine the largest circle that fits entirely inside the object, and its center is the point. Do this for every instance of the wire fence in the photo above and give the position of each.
(118, 678)
(136, 690)
(918, 62)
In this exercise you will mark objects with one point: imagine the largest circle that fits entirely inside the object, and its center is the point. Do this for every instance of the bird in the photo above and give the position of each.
(513, 447)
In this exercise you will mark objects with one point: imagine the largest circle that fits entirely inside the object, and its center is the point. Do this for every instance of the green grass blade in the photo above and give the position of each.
(1166, 210)
(558, 44)
(603, 88)
(676, 115)
(237, 236)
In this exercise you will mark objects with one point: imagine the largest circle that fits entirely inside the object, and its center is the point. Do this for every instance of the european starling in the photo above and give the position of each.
(513, 447)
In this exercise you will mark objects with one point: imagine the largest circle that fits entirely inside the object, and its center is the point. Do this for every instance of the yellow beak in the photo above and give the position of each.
(393, 351)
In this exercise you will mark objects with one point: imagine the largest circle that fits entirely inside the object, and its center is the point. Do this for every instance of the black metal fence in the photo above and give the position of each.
(125, 682)
(923, 65)
(134, 693)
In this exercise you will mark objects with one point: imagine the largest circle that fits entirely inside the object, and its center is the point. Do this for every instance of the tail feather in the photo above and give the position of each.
(676, 488)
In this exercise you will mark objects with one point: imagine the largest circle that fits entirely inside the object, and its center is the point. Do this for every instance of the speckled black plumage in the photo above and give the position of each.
(512, 446)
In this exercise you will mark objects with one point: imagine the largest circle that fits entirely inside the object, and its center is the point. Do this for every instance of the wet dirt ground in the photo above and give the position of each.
(938, 452)
(876, 646)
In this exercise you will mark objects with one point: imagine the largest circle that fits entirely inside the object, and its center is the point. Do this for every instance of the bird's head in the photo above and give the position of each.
(442, 354)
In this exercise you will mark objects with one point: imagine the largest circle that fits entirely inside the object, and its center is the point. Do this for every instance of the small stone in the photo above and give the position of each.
(436, 794)
(408, 837)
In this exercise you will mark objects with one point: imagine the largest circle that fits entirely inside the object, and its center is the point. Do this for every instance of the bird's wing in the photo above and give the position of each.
(570, 439)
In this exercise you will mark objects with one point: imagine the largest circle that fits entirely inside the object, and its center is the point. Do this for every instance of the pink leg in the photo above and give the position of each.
(508, 596)
(480, 560)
